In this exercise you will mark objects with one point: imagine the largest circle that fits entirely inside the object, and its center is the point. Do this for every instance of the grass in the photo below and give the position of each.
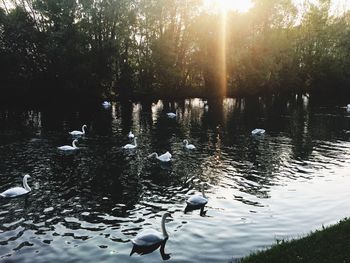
(329, 245)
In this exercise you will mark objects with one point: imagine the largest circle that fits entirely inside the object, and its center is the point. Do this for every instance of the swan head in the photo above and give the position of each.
(85, 126)
(203, 185)
(185, 141)
(152, 154)
(25, 184)
(167, 214)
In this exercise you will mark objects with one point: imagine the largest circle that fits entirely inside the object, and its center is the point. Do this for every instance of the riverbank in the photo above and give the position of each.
(76, 98)
(328, 245)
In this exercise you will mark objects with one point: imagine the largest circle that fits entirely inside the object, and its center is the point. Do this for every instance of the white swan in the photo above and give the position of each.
(68, 147)
(131, 146)
(258, 132)
(171, 115)
(79, 133)
(149, 237)
(165, 157)
(131, 135)
(198, 200)
(17, 191)
(189, 146)
(106, 104)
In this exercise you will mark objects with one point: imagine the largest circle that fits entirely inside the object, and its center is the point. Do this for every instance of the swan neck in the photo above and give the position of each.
(154, 154)
(203, 191)
(135, 143)
(186, 142)
(83, 129)
(165, 234)
(25, 184)
(74, 145)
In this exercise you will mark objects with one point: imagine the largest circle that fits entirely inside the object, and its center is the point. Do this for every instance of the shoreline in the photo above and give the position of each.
(74, 100)
(328, 245)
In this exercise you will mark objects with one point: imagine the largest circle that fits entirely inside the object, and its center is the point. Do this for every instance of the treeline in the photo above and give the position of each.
(103, 48)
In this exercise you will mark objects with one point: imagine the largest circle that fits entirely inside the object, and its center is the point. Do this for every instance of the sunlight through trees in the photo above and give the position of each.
(171, 48)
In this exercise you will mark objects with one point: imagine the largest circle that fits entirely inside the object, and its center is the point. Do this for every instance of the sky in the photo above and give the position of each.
(338, 6)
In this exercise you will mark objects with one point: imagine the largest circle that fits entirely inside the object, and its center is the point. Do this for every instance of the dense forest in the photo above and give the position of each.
(109, 48)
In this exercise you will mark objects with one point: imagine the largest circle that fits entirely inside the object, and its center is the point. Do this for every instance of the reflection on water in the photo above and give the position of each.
(88, 205)
(150, 249)
(190, 208)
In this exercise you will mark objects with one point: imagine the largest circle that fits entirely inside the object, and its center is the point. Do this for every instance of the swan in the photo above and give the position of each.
(68, 147)
(189, 146)
(165, 157)
(258, 132)
(149, 237)
(106, 104)
(131, 146)
(17, 191)
(348, 107)
(131, 135)
(79, 133)
(197, 200)
(171, 115)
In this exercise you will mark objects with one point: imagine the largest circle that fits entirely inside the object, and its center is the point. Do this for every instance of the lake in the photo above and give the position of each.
(86, 206)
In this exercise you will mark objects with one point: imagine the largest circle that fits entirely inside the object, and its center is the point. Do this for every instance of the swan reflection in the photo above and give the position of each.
(190, 208)
(143, 250)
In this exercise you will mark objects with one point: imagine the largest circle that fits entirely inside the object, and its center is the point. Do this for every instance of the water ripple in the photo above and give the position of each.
(88, 205)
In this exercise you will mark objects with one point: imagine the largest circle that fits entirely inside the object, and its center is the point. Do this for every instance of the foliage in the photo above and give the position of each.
(323, 246)
(170, 48)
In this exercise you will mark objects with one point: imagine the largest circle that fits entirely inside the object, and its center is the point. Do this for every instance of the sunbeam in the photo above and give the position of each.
(222, 52)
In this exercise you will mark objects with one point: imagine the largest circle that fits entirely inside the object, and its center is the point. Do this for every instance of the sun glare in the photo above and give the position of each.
(227, 5)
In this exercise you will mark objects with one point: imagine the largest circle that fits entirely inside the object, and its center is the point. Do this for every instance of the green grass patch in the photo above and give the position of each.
(329, 245)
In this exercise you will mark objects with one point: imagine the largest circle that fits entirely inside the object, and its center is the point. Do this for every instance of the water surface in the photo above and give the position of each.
(87, 206)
